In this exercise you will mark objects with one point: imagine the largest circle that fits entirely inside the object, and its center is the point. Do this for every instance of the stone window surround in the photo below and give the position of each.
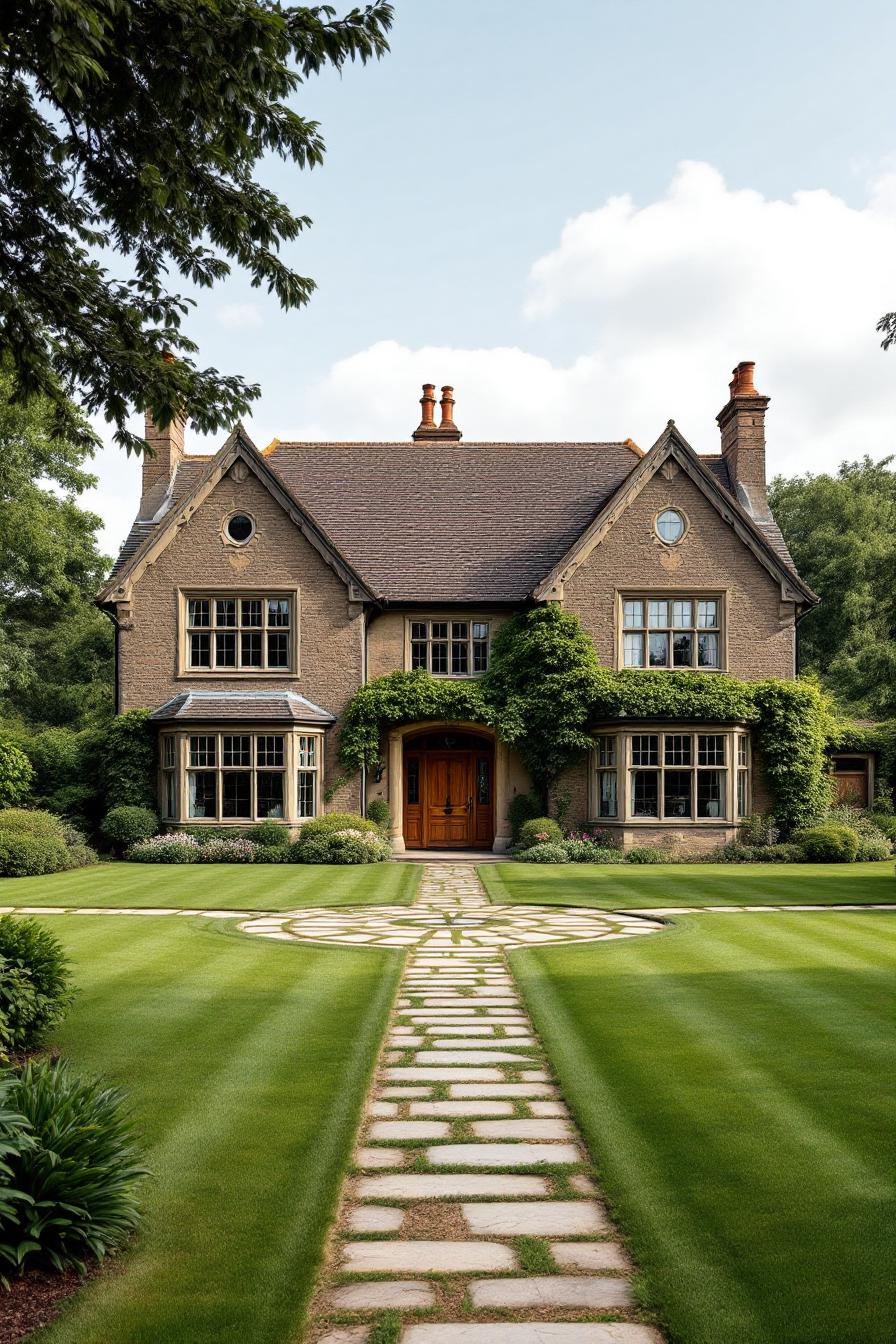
(624, 769)
(469, 619)
(246, 590)
(293, 765)
(672, 594)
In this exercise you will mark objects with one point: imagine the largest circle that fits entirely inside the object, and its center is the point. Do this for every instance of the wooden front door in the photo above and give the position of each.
(448, 801)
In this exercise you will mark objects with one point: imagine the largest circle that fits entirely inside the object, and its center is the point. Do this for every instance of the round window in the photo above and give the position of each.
(670, 526)
(239, 528)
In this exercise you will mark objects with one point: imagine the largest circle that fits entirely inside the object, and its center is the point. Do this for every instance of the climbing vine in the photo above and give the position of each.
(404, 697)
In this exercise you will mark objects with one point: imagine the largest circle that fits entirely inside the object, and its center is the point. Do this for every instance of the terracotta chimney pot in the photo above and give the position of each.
(446, 406)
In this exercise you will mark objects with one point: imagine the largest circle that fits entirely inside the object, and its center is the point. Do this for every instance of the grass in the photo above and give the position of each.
(246, 1062)
(632, 886)
(732, 1077)
(218, 886)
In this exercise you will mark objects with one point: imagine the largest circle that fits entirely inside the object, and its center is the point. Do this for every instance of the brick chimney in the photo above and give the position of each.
(446, 430)
(159, 466)
(742, 423)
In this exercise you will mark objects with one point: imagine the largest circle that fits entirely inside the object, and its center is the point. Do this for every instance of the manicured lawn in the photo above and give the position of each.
(733, 1078)
(247, 1062)
(218, 886)
(626, 886)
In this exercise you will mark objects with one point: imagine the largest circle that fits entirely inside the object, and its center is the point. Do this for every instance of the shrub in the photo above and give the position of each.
(646, 854)
(544, 853)
(272, 853)
(586, 851)
(337, 821)
(235, 850)
(31, 821)
(314, 849)
(522, 807)
(16, 774)
(873, 848)
(176, 848)
(829, 842)
(540, 831)
(128, 825)
(78, 1168)
(597, 835)
(23, 855)
(270, 834)
(378, 812)
(782, 853)
(886, 824)
(127, 757)
(345, 847)
(34, 983)
(758, 829)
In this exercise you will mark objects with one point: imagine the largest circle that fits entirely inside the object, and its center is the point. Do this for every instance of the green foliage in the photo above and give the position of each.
(34, 842)
(79, 1171)
(544, 853)
(15, 1138)
(697, 696)
(758, 830)
(829, 842)
(34, 983)
(646, 854)
(378, 812)
(541, 681)
(128, 757)
(234, 849)
(336, 821)
(586, 851)
(539, 831)
(404, 697)
(16, 774)
(885, 824)
(521, 808)
(128, 825)
(176, 848)
(126, 126)
(269, 834)
(794, 721)
(346, 845)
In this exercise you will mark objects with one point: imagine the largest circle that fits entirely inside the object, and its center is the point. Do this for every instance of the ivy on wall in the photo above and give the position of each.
(848, 735)
(404, 697)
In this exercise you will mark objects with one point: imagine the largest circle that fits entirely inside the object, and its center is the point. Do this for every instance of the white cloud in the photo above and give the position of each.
(239, 316)
(669, 297)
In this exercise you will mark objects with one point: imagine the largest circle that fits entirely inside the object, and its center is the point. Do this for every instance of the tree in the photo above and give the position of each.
(140, 127)
(841, 531)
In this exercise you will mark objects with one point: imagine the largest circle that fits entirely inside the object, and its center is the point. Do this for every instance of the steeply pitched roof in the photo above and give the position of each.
(446, 522)
(230, 706)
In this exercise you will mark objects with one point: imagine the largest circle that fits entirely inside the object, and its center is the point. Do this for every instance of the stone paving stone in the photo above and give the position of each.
(406, 1295)
(369, 1159)
(548, 1218)
(522, 1090)
(382, 1108)
(370, 1218)
(551, 1290)
(503, 1154)
(405, 1042)
(530, 1332)
(416, 1073)
(601, 1255)
(534, 1076)
(462, 1057)
(469, 1028)
(412, 1129)
(521, 1129)
(549, 1108)
(526, 1043)
(405, 1093)
(427, 1257)
(460, 1109)
(347, 1334)
(582, 1184)
(463, 1185)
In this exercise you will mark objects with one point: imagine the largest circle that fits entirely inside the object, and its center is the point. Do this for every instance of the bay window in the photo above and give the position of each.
(240, 776)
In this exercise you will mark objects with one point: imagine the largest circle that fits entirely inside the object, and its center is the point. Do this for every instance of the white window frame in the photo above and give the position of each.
(644, 629)
(475, 644)
(247, 593)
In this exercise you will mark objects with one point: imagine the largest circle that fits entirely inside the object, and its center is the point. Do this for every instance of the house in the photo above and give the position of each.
(258, 590)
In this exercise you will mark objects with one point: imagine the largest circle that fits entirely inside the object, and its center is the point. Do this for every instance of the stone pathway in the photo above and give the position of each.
(469, 1216)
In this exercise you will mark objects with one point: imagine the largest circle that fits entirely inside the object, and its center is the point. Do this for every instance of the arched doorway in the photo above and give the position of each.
(449, 789)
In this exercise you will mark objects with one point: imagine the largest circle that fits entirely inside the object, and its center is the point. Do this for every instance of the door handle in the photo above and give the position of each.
(470, 804)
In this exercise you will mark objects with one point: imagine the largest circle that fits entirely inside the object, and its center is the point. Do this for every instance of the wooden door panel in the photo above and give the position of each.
(448, 801)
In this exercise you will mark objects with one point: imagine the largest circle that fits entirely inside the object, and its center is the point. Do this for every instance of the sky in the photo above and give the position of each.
(583, 216)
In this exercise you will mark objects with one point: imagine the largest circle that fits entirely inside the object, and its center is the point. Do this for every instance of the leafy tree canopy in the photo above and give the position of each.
(140, 127)
(841, 531)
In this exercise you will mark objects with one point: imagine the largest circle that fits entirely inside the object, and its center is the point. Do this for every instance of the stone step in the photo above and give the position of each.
(461, 1057)
(415, 1073)
(466, 1090)
(417, 1129)
(550, 1290)
(526, 1332)
(537, 1218)
(551, 1130)
(513, 1043)
(371, 1218)
(401, 1295)
(427, 1257)
(451, 1110)
(608, 1256)
(503, 1154)
(462, 1185)
(371, 1159)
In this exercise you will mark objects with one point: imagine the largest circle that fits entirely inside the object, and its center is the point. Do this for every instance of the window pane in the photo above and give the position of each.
(677, 793)
(710, 793)
(250, 648)
(742, 749)
(236, 751)
(225, 649)
(634, 650)
(483, 783)
(270, 793)
(677, 750)
(711, 749)
(439, 659)
(198, 611)
(269, 750)
(683, 650)
(645, 793)
(682, 614)
(743, 794)
(307, 752)
(460, 659)
(250, 611)
(203, 793)
(440, 629)
(306, 793)
(606, 750)
(418, 629)
(645, 749)
(670, 525)
(480, 654)
(708, 615)
(418, 654)
(278, 611)
(607, 803)
(480, 629)
(659, 650)
(202, 750)
(632, 615)
(237, 794)
(278, 649)
(708, 651)
(200, 651)
(413, 778)
(170, 794)
(169, 757)
(459, 629)
(657, 615)
(225, 611)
